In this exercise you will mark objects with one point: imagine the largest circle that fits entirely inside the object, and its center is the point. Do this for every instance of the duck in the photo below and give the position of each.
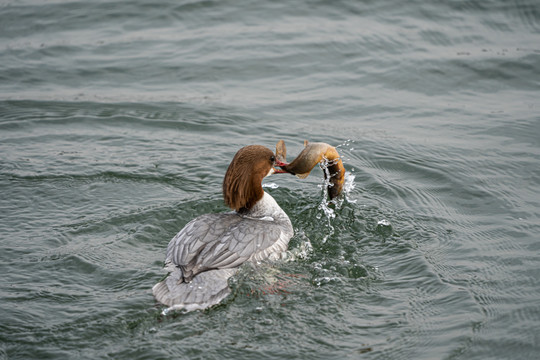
(211, 248)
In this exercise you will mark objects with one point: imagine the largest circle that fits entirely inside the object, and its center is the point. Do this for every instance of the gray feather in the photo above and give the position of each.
(209, 250)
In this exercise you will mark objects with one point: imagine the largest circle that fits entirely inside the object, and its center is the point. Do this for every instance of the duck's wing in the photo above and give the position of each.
(223, 241)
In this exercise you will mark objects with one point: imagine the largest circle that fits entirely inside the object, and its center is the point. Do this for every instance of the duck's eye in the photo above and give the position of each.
(272, 158)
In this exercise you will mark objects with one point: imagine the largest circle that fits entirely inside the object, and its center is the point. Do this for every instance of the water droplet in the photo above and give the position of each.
(384, 228)
(270, 185)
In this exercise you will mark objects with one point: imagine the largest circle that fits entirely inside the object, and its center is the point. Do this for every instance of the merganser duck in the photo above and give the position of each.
(211, 248)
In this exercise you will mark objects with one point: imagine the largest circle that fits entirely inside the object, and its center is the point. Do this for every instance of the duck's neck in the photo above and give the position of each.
(266, 206)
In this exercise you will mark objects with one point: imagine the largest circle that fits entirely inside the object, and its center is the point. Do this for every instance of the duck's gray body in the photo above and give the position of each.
(210, 249)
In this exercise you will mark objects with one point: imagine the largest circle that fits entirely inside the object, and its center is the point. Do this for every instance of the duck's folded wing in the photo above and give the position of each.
(221, 241)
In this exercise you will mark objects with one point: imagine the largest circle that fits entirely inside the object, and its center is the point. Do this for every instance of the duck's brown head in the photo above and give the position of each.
(242, 183)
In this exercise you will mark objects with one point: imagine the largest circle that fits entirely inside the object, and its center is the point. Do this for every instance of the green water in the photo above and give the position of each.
(118, 120)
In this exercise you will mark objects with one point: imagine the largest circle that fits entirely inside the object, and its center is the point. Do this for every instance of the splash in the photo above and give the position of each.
(349, 187)
(325, 204)
(384, 228)
(270, 185)
(302, 251)
(328, 207)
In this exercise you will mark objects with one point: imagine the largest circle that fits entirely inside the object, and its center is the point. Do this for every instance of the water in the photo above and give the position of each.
(118, 120)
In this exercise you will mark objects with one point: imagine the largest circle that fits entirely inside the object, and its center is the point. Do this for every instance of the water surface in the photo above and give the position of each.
(118, 120)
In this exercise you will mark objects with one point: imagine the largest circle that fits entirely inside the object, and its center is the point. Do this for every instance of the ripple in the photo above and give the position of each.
(118, 120)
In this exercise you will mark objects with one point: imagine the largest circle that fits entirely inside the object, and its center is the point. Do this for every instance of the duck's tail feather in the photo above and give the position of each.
(206, 289)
